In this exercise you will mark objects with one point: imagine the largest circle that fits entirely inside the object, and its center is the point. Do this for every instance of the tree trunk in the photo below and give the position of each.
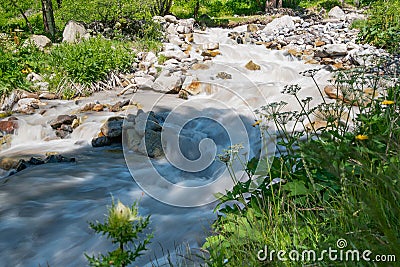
(196, 9)
(48, 17)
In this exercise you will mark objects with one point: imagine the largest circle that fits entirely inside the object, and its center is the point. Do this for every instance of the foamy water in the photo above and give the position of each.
(45, 209)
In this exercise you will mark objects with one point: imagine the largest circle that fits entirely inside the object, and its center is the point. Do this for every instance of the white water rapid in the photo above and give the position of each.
(45, 209)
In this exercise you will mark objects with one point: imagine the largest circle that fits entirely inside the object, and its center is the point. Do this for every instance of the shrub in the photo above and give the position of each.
(15, 63)
(382, 27)
(91, 60)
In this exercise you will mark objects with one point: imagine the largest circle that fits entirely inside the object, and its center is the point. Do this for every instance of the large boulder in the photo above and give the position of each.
(143, 133)
(62, 119)
(168, 82)
(74, 32)
(151, 144)
(27, 105)
(112, 128)
(337, 13)
(40, 41)
(285, 21)
(331, 50)
(335, 49)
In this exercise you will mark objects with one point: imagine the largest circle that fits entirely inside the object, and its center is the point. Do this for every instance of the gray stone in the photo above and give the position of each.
(168, 83)
(74, 32)
(62, 119)
(40, 41)
(170, 18)
(337, 13)
(279, 23)
(33, 77)
(145, 82)
(151, 144)
(178, 54)
(112, 128)
(101, 141)
(335, 49)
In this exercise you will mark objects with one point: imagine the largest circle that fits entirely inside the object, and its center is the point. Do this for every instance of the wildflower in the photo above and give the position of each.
(310, 73)
(27, 70)
(124, 213)
(291, 89)
(362, 137)
(387, 102)
(256, 123)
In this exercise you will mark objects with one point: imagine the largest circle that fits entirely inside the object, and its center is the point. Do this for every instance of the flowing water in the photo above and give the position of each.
(45, 209)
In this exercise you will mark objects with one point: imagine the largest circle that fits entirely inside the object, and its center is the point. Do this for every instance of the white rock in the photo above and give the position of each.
(170, 18)
(171, 61)
(174, 39)
(159, 19)
(172, 29)
(169, 46)
(167, 82)
(335, 49)
(151, 58)
(182, 29)
(278, 23)
(74, 32)
(43, 86)
(337, 13)
(145, 82)
(178, 55)
(40, 41)
(210, 46)
(33, 77)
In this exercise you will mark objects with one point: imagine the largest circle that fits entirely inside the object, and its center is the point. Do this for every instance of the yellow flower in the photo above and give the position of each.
(256, 123)
(361, 137)
(387, 102)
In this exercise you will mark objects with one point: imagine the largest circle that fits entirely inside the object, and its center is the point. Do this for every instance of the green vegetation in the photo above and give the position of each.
(92, 60)
(326, 4)
(382, 27)
(337, 181)
(123, 226)
(83, 63)
(14, 66)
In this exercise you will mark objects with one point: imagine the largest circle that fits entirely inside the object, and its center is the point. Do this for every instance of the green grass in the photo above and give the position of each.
(382, 28)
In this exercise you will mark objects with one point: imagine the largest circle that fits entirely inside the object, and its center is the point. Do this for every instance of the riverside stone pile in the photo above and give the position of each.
(329, 41)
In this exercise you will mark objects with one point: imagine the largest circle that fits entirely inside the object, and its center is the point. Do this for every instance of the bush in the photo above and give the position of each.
(91, 60)
(382, 27)
(98, 10)
(15, 63)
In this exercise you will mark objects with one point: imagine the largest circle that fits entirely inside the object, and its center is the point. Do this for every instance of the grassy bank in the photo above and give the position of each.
(339, 188)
